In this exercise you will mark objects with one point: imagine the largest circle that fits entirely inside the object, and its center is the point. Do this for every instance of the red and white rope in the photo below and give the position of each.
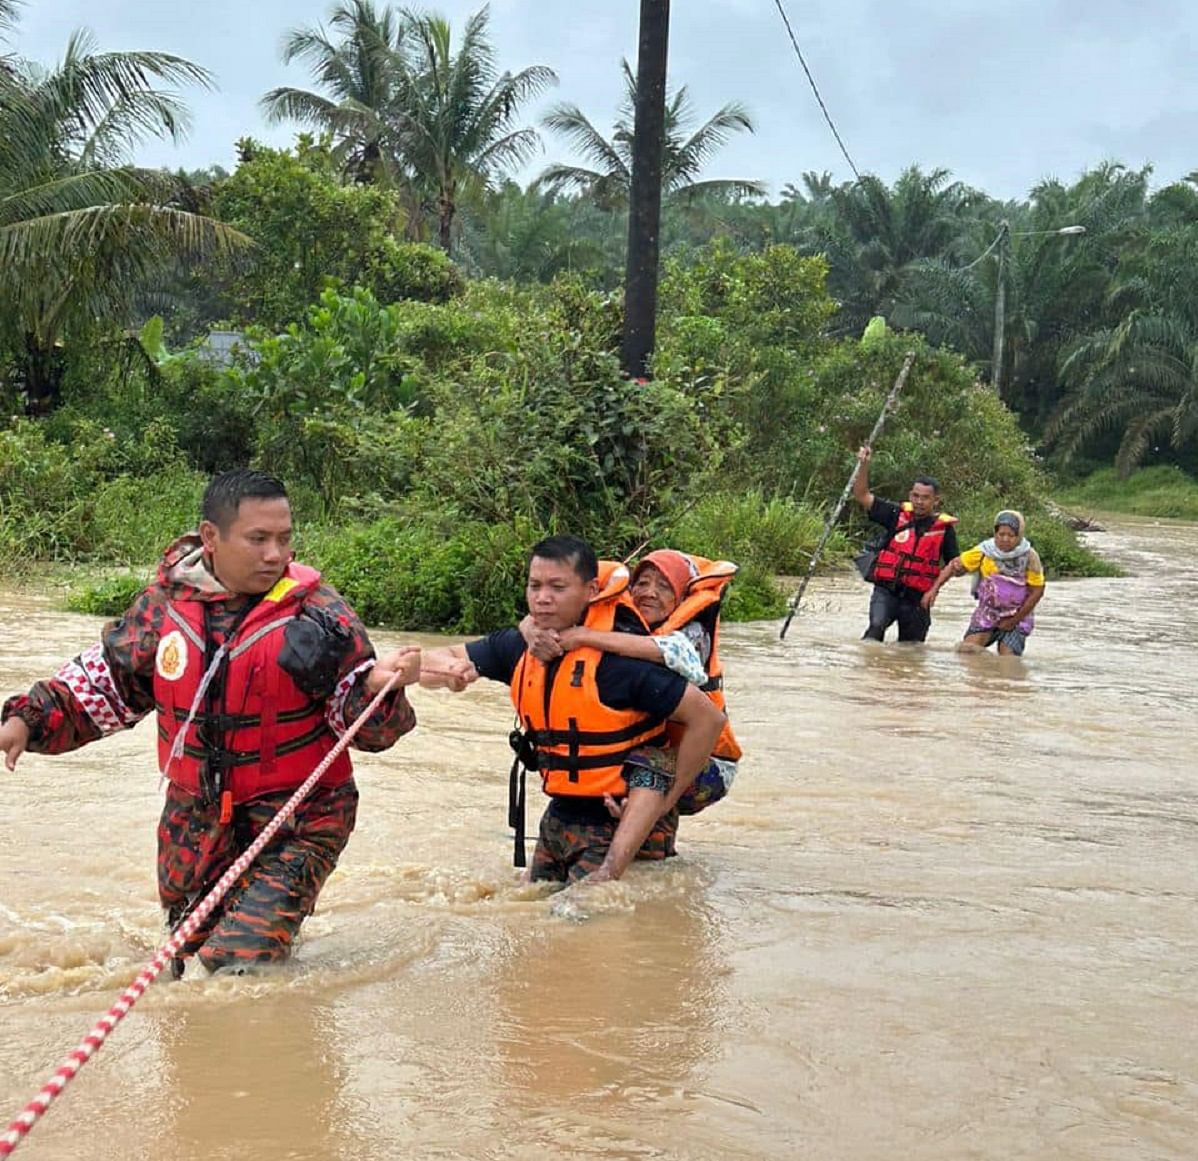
(94, 1040)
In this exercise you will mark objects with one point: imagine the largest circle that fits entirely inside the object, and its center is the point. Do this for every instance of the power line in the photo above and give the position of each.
(815, 88)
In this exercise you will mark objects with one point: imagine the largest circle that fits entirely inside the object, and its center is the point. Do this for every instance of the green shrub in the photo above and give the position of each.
(107, 598)
(45, 496)
(313, 231)
(411, 270)
(136, 519)
(753, 596)
(213, 419)
(777, 534)
(418, 576)
(446, 335)
(561, 440)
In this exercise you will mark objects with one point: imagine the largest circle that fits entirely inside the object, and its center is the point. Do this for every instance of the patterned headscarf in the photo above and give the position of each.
(1012, 519)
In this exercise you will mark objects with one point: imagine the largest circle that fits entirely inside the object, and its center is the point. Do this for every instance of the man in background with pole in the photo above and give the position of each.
(922, 540)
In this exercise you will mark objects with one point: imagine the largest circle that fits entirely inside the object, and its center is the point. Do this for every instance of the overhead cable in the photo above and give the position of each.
(815, 88)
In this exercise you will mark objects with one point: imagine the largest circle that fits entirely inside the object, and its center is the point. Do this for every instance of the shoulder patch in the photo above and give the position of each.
(171, 658)
(282, 587)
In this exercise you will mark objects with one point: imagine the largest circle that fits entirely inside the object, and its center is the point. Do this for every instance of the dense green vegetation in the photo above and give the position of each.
(1164, 490)
(427, 352)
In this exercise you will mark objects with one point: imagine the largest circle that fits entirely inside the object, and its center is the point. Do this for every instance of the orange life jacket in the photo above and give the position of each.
(701, 602)
(265, 734)
(581, 743)
(909, 558)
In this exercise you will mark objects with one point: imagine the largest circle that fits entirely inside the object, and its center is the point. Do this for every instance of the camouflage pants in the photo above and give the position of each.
(258, 919)
(574, 838)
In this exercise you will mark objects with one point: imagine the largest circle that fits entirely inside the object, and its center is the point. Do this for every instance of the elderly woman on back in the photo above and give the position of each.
(1008, 585)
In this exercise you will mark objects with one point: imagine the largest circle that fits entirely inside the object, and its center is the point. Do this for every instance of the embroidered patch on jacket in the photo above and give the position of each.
(171, 660)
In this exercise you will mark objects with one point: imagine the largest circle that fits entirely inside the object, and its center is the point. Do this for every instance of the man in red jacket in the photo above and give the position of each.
(254, 668)
(919, 541)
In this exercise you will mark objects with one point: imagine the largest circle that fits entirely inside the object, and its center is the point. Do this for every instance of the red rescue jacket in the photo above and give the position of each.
(267, 734)
(910, 559)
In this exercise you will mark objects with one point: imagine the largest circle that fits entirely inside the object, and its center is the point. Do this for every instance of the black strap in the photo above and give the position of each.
(218, 758)
(225, 722)
(516, 791)
(574, 736)
(574, 762)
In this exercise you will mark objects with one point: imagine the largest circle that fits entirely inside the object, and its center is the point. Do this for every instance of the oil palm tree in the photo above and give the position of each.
(1057, 287)
(684, 155)
(1139, 376)
(874, 233)
(82, 231)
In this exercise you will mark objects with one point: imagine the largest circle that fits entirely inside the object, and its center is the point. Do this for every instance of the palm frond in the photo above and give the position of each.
(691, 155)
(570, 122)
(725, 187)
(308, 108)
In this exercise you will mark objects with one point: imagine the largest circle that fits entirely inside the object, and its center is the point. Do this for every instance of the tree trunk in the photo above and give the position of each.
(644, 199)
(445, 223)
(370, 167)
(43, 373)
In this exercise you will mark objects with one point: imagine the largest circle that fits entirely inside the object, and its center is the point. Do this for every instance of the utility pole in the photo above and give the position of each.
(1000, 308)
(644, 200)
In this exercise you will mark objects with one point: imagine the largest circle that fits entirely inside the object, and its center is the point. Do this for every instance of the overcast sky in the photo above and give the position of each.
(1002, 92)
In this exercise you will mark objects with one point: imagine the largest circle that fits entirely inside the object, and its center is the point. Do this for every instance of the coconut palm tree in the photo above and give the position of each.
(361, 80)
(82, 231)
(405, 106)
(456, 123)
(684, 154)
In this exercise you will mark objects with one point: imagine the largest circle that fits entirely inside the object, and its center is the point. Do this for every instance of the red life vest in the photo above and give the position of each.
(911, 559)
(701, 602)
(273, 735)
(581, 743)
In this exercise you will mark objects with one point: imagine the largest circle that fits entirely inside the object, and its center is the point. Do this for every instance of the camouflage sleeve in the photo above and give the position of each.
(394, 716)
(106, 688)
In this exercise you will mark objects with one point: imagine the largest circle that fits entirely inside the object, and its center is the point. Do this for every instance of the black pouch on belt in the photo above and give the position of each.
(314, 646)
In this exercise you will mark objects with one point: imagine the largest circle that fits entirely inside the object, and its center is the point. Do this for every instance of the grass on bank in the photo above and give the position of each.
(412, 576)
(1164, 491)
(415, 574)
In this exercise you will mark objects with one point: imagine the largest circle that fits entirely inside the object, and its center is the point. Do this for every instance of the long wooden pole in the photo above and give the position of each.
(848, 488)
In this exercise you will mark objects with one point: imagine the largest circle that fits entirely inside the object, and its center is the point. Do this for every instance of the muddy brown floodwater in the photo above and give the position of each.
(948, 912)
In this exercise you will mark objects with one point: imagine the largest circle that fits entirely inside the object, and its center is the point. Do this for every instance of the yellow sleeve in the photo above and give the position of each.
(1035, 570)
(971, 559)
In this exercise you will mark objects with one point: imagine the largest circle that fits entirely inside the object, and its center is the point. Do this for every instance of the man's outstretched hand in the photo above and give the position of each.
(404, 661)
(14, 737)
